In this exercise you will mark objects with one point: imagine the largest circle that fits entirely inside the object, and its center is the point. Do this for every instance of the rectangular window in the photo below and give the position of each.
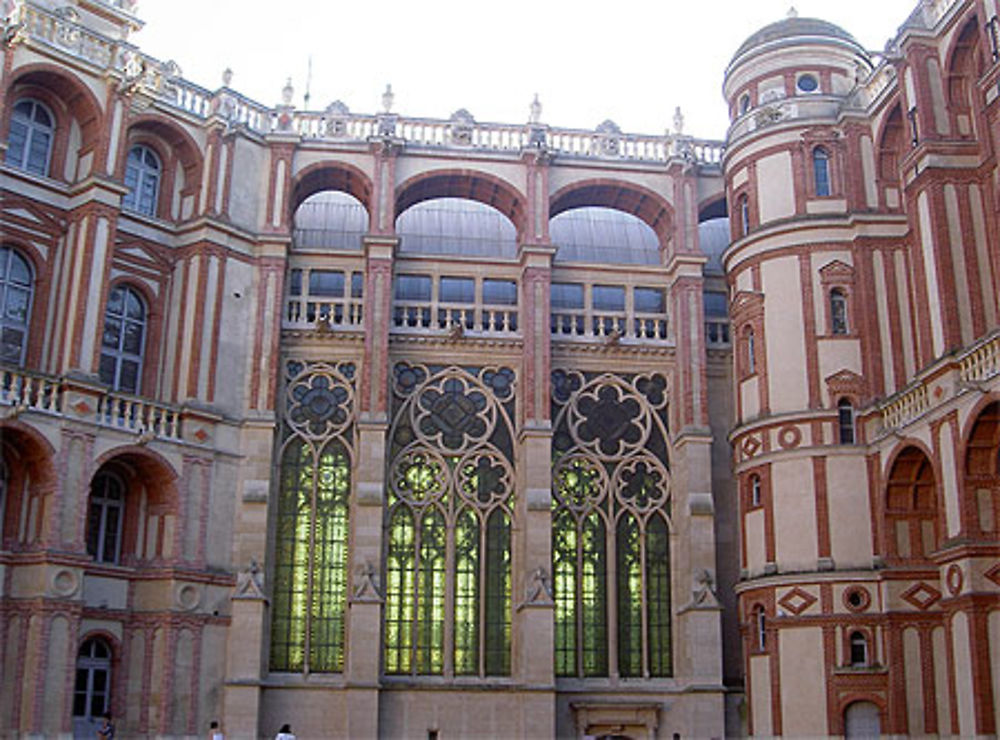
(567, 295)
(295, 282)
(457, 290)
(499, 292)
(357, 284)
(412, 288)
(326, 283)
(650, 300)
(716, 304)
(608, 298)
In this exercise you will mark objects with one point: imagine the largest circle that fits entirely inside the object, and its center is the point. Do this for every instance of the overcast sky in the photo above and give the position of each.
(631, 61)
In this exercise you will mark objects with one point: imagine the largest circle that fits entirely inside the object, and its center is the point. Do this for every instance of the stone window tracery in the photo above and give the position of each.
(311, 534)
(449, 511)
(611, 525)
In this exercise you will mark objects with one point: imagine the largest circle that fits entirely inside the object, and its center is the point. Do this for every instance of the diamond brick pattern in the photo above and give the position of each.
(921, 595)
(797, 601)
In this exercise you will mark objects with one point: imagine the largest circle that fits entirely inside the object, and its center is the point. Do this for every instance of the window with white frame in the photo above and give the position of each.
(104, 517)
(123, 340)
(29, 142)
(142, 178)
(16, 287)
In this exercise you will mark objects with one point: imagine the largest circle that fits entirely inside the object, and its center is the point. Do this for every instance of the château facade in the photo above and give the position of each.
(400, 427)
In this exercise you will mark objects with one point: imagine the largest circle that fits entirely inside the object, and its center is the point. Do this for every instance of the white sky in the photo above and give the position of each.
(631, 61)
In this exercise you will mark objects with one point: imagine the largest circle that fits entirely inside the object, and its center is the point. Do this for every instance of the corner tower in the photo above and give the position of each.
(798, 365)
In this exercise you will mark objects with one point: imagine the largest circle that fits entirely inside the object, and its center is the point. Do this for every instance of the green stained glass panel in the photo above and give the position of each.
(497, 605)
(593, 597)
(629, 582)
(400, 578)
(658, 597)
(467, 594)
(564, 541)
(431, 594)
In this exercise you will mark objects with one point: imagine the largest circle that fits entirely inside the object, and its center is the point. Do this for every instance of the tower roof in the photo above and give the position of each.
(794, 27)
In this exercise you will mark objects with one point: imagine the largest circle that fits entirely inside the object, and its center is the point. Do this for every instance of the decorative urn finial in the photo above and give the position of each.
(792, 12)
(227, 76)
(678, 121)
(387, 98)
(287, 92)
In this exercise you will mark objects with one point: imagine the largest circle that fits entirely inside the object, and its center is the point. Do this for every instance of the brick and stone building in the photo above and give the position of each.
(391, 426)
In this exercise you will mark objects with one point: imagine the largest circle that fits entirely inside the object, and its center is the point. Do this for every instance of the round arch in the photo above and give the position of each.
(170, 142)
(890, 144)
(630, 198)
(466, 184)
(980, 492)
(80, 100)
(339, 176)
(910, 505)
(28, 457)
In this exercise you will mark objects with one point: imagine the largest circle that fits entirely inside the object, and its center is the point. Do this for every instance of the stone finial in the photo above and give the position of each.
(387, 97)
(227, 77)
(678, 121)
(536, 111)
(792, 12)
(287, 92)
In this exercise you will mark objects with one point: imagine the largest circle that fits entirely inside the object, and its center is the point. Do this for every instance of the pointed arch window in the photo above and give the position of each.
(448, 522)
(16, 290)
(311, 522)
(29, 143)
(821, 171)
(611, 526)
(123, 341)
(142, 178)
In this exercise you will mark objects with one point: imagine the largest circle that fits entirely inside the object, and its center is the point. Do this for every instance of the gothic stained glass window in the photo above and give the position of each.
(448, 521)
(610, 525)
(311, 531)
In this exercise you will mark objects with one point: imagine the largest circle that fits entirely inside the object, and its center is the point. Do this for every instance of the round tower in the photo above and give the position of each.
(798, 353)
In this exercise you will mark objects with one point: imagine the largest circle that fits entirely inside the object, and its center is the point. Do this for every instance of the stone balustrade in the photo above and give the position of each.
(163, 81)
(982, 362)
(309, 312)
(905, 406)
(138, 415)
(24, 391)
(583, 324)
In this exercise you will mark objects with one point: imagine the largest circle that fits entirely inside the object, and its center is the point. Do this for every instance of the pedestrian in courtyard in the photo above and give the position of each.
(285, 733)
(215, 731)
(107, 729)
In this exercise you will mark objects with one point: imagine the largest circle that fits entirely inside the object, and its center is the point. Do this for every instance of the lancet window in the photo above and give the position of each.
(611, 525)
(311, 537)
(448, 521)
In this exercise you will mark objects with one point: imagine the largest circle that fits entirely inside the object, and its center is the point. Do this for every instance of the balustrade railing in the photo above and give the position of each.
(61, 29)
(454, 316)
(24, 391)
(304, 312)
(139, 416)
(607, 325)
(981, 363)
(905, 407)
